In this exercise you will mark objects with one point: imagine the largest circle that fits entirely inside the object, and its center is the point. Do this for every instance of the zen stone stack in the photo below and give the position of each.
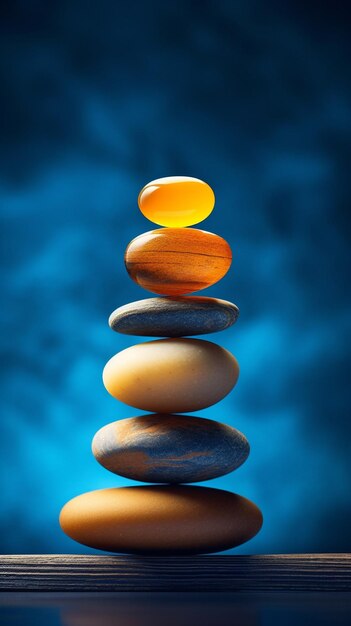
(168, 377)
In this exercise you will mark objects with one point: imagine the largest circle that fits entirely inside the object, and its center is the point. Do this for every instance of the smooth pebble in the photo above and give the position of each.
(160, 448)
(161, 519)
(176, 261)
(171, 375)
(176, 201)
(174, 316)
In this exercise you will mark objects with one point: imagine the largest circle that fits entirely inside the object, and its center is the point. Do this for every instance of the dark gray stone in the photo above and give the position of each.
(169, 448)
(174, 316)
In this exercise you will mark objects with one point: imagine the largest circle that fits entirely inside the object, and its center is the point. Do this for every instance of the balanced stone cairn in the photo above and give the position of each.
(168, 377)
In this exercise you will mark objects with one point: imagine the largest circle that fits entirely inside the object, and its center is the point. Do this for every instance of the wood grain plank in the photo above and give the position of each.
(254, 573)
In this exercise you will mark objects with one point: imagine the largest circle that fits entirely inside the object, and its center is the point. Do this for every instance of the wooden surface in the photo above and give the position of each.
(262, 573)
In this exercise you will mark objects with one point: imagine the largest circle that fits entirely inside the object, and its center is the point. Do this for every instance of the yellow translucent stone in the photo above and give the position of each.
(176, 201)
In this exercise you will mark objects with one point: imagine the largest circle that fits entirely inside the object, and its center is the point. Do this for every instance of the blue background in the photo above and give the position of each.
(100, 98)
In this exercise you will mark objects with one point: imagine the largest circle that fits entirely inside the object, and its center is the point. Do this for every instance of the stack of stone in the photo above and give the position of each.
(169, 377)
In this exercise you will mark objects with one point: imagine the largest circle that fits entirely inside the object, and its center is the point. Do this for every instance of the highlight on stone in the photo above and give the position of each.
(168, 377)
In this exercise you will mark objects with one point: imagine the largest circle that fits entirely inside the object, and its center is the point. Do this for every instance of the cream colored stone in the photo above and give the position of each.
(171, 375)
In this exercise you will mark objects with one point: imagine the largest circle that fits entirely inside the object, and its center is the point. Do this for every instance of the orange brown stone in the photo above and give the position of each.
(175, 261)
(161, 519)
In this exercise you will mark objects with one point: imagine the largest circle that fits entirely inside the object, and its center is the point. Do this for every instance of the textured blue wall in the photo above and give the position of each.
(253, 97)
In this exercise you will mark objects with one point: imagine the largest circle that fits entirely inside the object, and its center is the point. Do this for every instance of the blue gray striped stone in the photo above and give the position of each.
(170, 448)
(174, 316)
